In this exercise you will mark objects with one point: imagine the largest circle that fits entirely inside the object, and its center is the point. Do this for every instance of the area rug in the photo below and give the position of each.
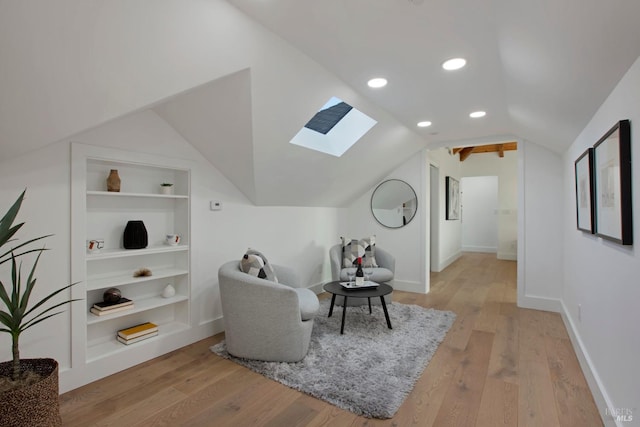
(370, 369)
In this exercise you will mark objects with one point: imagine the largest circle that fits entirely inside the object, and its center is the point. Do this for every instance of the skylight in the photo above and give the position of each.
(325, 119)
(334, 129)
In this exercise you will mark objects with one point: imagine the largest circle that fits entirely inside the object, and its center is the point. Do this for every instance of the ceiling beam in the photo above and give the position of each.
(465, 152)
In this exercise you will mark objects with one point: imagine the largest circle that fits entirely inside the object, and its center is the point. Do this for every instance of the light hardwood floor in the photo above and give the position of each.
(499, 365)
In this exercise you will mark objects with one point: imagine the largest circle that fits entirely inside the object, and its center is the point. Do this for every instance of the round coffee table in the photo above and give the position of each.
(335, 289)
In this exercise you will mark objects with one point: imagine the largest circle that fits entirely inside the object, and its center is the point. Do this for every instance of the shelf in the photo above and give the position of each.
(96, 213)
(122, 253)
(149, 195)
(140, 305)
(128, 279)
(112, 346)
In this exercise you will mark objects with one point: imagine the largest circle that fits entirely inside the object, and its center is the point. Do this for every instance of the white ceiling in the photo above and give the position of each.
(539, 68)
(237, 79)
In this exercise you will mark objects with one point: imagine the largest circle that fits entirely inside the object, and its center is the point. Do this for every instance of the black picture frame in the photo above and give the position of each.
(452, 191)
(585, 206)
(612, 185)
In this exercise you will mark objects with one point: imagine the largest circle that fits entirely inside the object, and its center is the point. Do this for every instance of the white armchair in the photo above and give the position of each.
(384, 273)
(265, 320)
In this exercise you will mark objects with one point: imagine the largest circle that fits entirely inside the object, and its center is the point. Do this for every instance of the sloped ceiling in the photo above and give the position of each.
(540, 69)
(243, 127)
(238, 79)
(216, 119)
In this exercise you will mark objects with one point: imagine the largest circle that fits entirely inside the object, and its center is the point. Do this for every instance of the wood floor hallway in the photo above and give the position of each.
(499, 365)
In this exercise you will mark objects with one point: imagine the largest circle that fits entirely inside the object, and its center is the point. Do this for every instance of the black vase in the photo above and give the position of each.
(135, 235)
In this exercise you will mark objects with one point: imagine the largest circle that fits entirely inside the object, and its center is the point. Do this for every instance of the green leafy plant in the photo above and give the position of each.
(18, 316)
(166, 184)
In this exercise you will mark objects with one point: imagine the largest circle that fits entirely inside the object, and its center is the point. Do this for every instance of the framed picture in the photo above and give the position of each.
(453, 198)
(584, 192)
(612, 178)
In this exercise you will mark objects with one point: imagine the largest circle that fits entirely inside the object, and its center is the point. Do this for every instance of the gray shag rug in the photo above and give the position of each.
(370, 369)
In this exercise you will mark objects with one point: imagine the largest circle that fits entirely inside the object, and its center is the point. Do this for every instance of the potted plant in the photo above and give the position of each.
(28, 387)
(166, 188)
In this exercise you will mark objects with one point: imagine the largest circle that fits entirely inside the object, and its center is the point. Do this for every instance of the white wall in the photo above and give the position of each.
(299, 237)
(602, 277)
(540, 247)
(407, 244)
(479, 213)
(450, 232)
(506, 168)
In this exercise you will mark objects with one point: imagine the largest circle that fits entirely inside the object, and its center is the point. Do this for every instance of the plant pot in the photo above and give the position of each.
(166, 189)
(33, 405)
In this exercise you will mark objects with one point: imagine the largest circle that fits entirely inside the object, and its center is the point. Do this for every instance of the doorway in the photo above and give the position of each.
(479, 206)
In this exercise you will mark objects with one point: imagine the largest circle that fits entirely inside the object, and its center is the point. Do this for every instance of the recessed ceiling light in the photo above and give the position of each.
(377, 82)
(424, 124)
(477, 114)
(454, 64)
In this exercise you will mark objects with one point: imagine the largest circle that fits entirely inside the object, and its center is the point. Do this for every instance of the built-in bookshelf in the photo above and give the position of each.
(98, 214)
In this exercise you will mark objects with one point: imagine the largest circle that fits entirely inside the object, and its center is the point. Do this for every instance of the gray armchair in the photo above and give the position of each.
(265, 320)
(384, 273)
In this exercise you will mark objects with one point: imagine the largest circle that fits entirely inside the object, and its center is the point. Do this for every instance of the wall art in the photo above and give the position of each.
(584, 192)
(453, 198)
(612, 179)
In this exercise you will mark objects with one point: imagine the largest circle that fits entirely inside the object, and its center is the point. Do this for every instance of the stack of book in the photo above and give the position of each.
(102, 308)
(137, 333)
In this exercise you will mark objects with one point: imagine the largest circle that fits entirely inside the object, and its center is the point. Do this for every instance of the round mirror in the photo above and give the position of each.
(394, 203)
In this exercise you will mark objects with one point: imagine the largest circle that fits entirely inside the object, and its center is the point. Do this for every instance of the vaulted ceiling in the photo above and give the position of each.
(237, 79)
(540, 69)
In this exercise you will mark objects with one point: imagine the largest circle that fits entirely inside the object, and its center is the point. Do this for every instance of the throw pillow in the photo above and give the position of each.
(353, 248)
(256, 264)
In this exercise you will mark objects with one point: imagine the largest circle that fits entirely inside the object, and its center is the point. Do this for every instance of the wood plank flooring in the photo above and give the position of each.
(499, 365)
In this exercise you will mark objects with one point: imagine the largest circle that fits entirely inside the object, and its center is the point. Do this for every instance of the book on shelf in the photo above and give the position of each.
(137, 339)
(113, 310)
(138, 330)
(112, 305)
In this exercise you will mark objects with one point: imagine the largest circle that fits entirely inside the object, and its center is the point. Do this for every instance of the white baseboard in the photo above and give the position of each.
(409, 286)
(483, 249)
(508, 256)
(595, 384)
(447, 262)
(540, 303)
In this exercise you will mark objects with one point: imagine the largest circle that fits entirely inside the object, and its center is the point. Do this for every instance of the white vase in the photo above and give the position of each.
(169, 291)
(166, 189)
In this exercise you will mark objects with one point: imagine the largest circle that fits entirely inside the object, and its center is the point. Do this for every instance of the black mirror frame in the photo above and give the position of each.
(374, 193)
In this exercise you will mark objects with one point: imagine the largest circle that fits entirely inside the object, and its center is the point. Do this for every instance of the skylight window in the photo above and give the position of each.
(334, 129)
(325, 119)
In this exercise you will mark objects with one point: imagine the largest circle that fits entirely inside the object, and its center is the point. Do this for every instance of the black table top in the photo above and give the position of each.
(336, 289)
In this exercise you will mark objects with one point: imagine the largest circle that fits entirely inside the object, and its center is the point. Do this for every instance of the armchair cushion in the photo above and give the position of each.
(352, 249)
(257, 265)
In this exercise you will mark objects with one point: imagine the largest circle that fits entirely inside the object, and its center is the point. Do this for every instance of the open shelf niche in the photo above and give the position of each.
(99, 214)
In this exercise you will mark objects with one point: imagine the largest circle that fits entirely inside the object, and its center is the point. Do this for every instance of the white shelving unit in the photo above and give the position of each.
(99, 214)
